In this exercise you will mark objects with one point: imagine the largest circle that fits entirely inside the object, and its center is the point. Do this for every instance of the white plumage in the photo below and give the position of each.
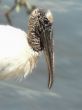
(17, 58)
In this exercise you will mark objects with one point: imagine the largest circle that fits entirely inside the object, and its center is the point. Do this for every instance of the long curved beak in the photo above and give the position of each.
(48, 51)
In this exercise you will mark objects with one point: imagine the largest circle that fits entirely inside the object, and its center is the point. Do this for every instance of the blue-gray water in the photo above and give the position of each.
(32, 93)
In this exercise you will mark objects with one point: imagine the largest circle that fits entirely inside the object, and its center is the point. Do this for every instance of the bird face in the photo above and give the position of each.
(40, 37)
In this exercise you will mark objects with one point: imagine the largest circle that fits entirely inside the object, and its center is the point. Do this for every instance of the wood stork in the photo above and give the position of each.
(19, 51)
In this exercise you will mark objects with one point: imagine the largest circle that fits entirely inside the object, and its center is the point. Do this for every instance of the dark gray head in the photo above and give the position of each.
(40, 37)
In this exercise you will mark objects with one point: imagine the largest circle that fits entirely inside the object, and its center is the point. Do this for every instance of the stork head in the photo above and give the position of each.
(40, 37)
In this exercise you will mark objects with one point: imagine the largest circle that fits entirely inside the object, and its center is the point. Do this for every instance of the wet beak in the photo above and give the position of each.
(48, 52)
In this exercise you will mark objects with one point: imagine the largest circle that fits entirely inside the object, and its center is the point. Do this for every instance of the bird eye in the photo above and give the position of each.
(46, 21)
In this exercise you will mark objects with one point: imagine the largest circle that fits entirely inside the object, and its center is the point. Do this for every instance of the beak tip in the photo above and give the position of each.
(50, 84)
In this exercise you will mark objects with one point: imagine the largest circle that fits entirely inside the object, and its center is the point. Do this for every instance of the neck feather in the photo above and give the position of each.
(31, 61)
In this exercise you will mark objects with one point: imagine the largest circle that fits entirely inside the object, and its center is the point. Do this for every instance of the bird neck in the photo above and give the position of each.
(31, 60)
(34, 41)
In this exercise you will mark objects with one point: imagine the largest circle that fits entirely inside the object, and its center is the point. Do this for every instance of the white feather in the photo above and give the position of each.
(17, 58)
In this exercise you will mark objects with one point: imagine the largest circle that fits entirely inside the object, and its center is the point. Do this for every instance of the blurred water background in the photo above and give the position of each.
(32, 93)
